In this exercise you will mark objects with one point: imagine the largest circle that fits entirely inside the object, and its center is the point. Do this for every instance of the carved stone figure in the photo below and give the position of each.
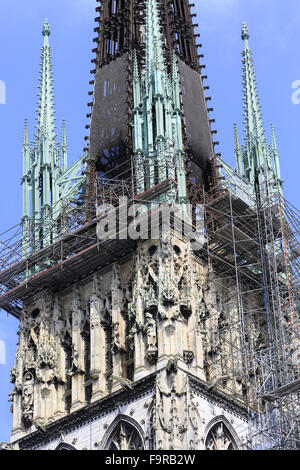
(150, 330)
(116, 345)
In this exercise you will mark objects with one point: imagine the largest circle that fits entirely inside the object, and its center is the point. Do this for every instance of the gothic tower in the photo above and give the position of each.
(122, 35)
(152, 307)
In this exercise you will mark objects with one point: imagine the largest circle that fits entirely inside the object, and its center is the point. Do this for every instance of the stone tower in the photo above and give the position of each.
(142, 313)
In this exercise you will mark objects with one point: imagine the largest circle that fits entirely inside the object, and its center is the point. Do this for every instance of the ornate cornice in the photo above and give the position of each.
(87, 414)
(218, 397)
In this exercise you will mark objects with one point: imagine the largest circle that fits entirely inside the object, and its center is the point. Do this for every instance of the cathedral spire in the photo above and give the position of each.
(261, 163)
(254, 124)
(154, 43)
(45, 119)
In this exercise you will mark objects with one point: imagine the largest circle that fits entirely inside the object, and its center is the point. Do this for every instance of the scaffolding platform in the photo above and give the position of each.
(252, 252)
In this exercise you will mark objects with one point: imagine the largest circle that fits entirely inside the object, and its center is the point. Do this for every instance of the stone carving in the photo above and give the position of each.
(195, 421)
(58, 321)
(75, 368)
(76, 308)
(170, 415)
(97, 305)
(148, 311)
(188, 357)
(27, 395)
(116, 345)
(150, 330)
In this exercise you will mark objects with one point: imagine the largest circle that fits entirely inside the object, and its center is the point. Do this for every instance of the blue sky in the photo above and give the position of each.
(274, 38)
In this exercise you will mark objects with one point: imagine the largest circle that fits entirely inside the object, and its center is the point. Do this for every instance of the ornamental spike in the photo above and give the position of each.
(276, 156)
(64, 147)
(237, 152)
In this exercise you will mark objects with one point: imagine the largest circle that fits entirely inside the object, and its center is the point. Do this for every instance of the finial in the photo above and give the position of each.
(46, 28)
(245, 32)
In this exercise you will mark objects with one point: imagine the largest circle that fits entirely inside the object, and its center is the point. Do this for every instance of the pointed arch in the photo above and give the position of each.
(124, 433)
(220, 435)
(65, 446)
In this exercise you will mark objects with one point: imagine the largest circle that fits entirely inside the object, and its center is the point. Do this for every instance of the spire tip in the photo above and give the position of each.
(245, 32)
(46, 28)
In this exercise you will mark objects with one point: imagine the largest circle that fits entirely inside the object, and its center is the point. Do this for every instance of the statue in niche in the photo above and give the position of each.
(96, 305)
(150, 331)
(27, 395)
(58, 322)
(76, 308)
(48, 305)
(130, 337)
(116, 345)
(74, 369)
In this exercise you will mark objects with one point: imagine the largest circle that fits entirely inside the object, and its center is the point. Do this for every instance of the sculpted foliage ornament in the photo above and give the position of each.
(170, 413)
(27, 395)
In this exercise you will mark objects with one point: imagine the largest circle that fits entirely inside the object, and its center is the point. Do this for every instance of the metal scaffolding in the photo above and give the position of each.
(252, 249)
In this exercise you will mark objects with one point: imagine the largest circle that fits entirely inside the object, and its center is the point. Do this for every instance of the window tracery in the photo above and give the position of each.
(219, 438)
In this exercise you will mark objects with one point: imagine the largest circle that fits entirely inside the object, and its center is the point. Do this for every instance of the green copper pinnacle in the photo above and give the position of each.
(257, 161)
(45, 174)
(157, 127)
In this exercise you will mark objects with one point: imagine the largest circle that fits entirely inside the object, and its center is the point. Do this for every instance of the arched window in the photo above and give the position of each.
(65, 446)
(220, 438)
(124, 436)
